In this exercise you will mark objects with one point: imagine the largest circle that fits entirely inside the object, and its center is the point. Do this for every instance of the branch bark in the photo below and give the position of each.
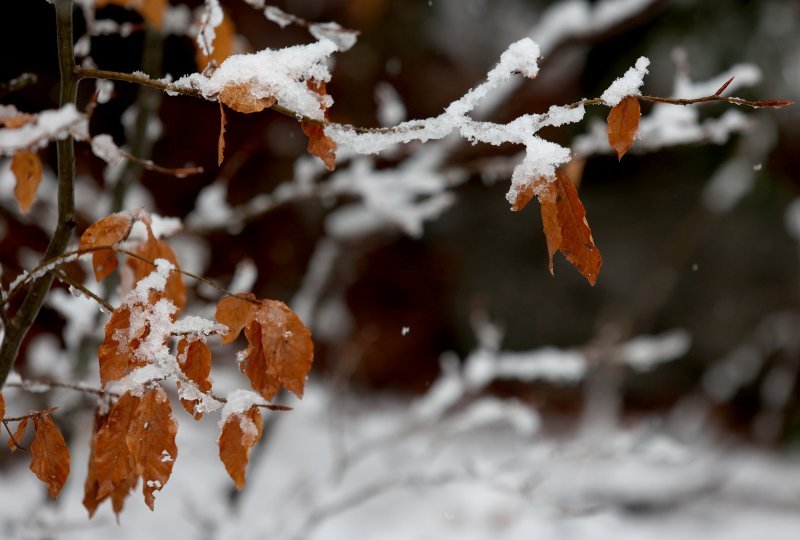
(22, 320)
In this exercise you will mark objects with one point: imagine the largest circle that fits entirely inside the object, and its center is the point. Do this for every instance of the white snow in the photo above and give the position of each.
(627, 85)
(280, 73)
(210, 18)
(103, 146)
(48, 125)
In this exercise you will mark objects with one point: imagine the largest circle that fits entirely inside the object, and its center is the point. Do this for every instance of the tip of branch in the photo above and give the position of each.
(775, 104)
(724, 86)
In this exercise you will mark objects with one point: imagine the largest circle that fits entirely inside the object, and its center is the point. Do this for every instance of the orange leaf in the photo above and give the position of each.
(91, 486)
(151, 441)
(16, 119)
(239, 434)
(50, 455)
(14, 442)
(27, 167)
(2, 406)
(105, 232)
(221, 141)
(153, 249)
(195, 361)
(280, 351)
(111, 456)
(319, 144)
(235, 313)
(152, 11)
(239, 98)
(224, 43)
(566, 228)
(623, 122)
(116, 353)
(524, 196)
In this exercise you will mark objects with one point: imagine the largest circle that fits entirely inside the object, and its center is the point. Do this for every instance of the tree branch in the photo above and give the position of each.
(23, 319)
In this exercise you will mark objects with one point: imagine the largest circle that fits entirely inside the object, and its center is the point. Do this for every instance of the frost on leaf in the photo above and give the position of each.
(152, 432)
(623, 122)
(152, 249)
(239, 434)
(235, 313)
(105, 232)
(319, 144)
(27, 167)
(239, 98)
(195, 361)
(13, 442)
(116, 353)
(50, 455)
(280, 351)
(565, 226)
(152, 11)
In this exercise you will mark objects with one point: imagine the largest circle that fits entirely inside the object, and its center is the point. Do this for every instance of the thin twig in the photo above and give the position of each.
(13, 439)
(61, 275)
(17, 83)
(32, 414)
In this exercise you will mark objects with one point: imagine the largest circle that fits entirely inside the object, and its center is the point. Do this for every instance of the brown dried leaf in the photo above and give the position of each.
(224, 43)
(151, 441)
(195, 361)
(221, 140)
(153, 249)
(91, 486)
(27, 167)
(623, 122)
(112, 460)
(319, 144)
(15, 441)
(524, 195)
(239, 434)
(566, 228)
(105, 232)
(50, 455)
(239, 98)
(235, 313)
(2, 406)
(281, 351)
(116, 353)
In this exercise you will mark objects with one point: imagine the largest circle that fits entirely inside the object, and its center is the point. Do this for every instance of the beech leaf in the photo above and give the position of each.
(195, 362)
(50, 455)
(235, 313)
(19, 433)
(111, 457)
(239, 434)
(105, 232)
(565, 226)
(27, 167)
(221, 140)
(91, 486)
(239, 98)
(116, 353)
(280, 353)
(152, 249)
(319, 144)
(623, 122)
(151, 439)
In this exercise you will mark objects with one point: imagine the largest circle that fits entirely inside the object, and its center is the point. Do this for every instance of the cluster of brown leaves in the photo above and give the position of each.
(563, 216)
(135, 439)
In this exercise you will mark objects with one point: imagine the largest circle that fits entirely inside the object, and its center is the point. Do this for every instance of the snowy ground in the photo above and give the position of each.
(376, 473)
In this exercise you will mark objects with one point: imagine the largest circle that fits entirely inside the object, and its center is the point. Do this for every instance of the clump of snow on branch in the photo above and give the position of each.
(627, 85)
(46, 126)
(279, 74)
(210, 18)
